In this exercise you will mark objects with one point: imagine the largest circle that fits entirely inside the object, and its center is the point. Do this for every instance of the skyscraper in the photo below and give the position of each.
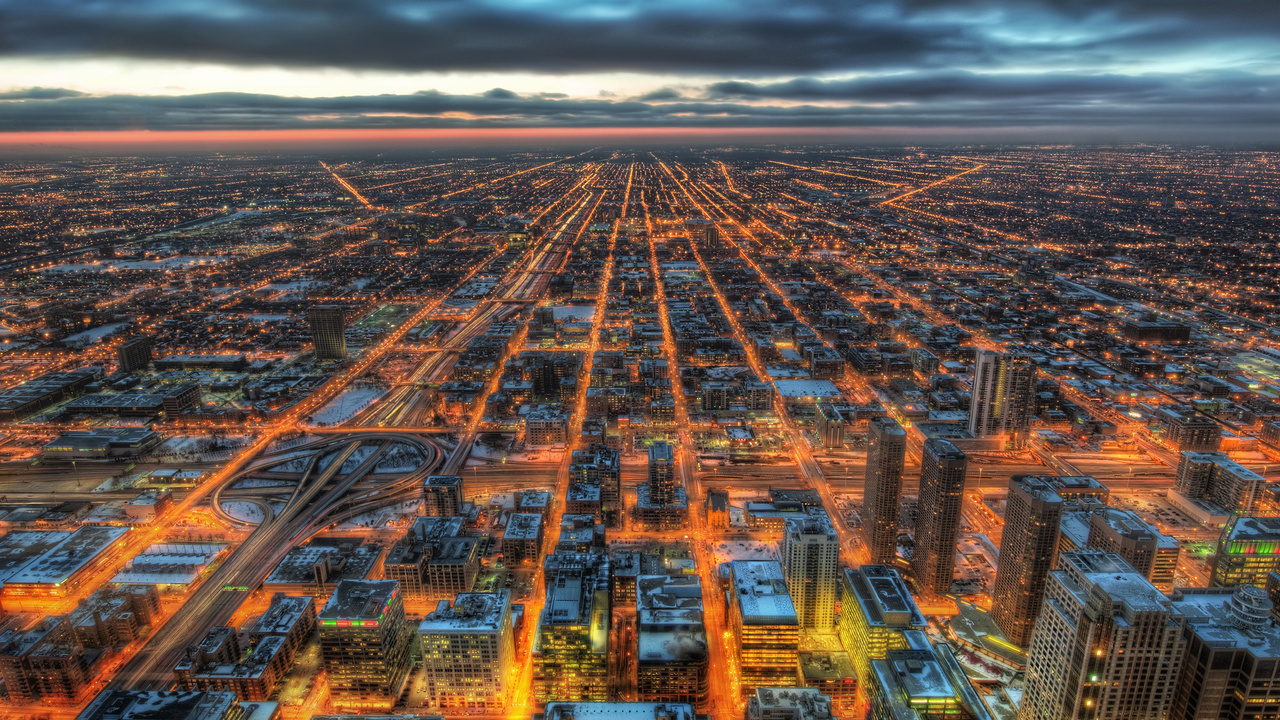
(1028, 549)
(328, 325)
(365, 642)
(1108, 644)
(134, 353)
(938, 520)
(662, 473)
(810, 554)
(886, 453)
(1004, 396)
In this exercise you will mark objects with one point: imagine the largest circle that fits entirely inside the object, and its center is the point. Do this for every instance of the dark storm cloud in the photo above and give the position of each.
(40, 93)
(751, 37)
(945, 101)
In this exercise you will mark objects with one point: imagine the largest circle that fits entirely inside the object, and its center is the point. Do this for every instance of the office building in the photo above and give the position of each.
(876, 611)
(672, 656)
(571, 640)
(1248, 551)
(365, 641)
(1216, 478)
(1004, 396)
(468, 652)
(1028, 549)
(601, 466)
(134, 353)
(1231, 667)
(763, 619)
(328, 331)
(810, 553)
(1146, 549)
(886, 454)
(942, 473)
(832, 674)
(1107, 645)
(662, 473)
(522, 538)
(922, 681)
(443, 496)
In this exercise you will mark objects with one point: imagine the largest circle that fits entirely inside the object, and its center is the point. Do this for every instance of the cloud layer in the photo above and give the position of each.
(823, 63)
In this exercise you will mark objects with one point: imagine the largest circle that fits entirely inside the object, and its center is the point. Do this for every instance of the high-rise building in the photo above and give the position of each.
(1248, 551)
(134, 353)
(328, 331)
(468, 651)
(662, 473)
(938, 519)
(876, 610)
(763, 619)
(444, 495)
(1107, 645)
(711, 235)
(1028, 549)
(672, 656)
(1215, 477)
(601, 465)
(810, 556)
(1004, 396)
(1232, 664)
(1126, 534)
(571, 641)
(365, 642)
(886, 454)
(922, 681)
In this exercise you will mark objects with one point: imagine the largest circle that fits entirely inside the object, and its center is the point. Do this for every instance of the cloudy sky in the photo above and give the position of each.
(1137, 69)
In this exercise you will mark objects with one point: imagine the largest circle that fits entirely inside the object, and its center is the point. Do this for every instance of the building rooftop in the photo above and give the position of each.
(523, 526)
(1254, 528)
(1086, 572)
(616, 711)
(761, 590)
(159, 705)
(60, 562)
(806, 389)
(360, 600)
(884, 597)
(1237, 617)
(470, 612)
(284, 612)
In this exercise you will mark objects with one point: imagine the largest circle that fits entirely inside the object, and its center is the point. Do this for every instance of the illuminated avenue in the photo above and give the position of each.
(800, 432)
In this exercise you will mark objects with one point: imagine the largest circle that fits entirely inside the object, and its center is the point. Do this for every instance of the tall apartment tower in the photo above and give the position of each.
(1028, 550)
(886, 453)
(662, 473)
(443, 495)
(938, 520)
(712, 236)
(365, 641)
(328, 323)
(1108, 644)
(810, 556)
(1004, 396)
(134, 353)
(1215, 477)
